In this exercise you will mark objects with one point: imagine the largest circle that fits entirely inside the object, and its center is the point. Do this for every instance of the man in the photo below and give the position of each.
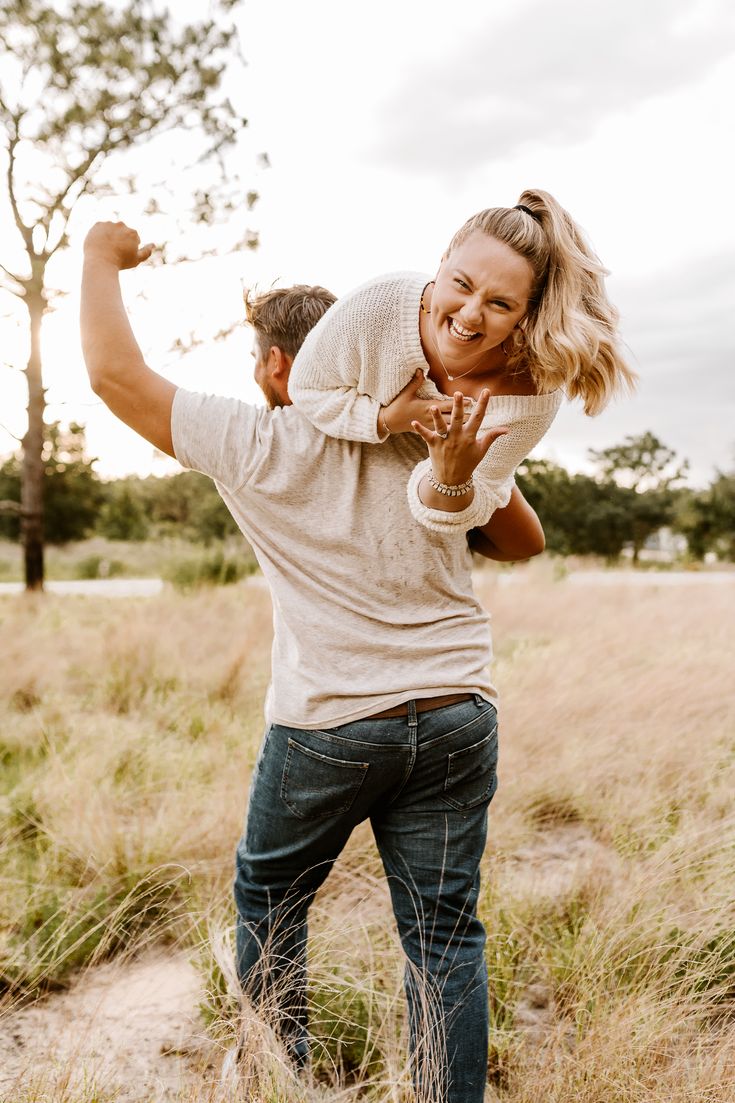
(380, 704)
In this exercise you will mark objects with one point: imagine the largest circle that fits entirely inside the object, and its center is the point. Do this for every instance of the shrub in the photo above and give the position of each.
(212, 569)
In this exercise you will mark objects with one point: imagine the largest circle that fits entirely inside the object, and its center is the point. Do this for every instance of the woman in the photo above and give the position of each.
(518, 308)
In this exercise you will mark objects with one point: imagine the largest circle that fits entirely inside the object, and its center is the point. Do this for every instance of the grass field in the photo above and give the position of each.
(128, 731)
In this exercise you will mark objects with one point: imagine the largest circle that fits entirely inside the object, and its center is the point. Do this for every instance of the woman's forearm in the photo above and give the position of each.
(511, 534)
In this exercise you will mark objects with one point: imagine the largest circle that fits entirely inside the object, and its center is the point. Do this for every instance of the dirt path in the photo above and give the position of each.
(132, 1029)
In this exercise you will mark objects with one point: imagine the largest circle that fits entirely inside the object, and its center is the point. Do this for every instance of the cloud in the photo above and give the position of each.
(679, 331)
(548, 72)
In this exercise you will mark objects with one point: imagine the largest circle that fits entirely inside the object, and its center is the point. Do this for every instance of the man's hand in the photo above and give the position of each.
(406, 408)
(116, 243)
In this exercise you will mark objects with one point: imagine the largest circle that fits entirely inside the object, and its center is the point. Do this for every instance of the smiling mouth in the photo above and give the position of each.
(459, 333)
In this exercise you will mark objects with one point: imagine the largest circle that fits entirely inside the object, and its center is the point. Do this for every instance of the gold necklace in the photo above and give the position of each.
(451, 378)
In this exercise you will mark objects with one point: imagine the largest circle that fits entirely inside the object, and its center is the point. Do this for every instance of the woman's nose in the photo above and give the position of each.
(471, 313)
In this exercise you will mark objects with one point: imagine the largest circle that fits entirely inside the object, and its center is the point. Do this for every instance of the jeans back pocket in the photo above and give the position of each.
(472, 773)
(315, 786)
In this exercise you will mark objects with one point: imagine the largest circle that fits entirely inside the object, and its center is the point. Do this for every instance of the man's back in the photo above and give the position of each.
(367, 604)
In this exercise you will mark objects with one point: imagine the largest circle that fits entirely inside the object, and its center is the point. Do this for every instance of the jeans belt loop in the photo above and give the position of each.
(412, 717)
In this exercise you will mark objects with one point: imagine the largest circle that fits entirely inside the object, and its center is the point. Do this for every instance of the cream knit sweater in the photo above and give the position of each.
(364, 351)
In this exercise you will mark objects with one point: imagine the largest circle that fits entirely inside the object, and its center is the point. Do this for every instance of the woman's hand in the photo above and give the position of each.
(400, 415)
(456, 449)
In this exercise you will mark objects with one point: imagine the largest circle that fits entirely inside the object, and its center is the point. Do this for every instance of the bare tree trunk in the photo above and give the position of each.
(31, 480)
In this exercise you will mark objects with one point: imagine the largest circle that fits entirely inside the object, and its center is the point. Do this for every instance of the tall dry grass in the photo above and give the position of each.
(128, 732)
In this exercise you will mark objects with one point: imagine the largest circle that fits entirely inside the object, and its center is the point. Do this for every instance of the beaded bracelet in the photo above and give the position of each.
(451, 491)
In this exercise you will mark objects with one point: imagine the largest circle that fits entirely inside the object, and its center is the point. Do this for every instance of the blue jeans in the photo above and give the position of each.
(425, 782)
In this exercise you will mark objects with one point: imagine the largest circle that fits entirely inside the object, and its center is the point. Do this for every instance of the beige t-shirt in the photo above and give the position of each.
(370, 608)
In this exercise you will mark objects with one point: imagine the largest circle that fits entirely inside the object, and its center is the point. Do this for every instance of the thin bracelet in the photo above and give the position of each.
(455, 491)
(381, 417)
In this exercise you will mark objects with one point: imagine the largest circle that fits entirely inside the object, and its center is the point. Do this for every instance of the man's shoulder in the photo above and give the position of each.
(252, 418)
(229, 438)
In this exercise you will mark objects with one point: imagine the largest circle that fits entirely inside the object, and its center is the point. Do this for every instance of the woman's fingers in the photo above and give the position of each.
(440, 425)
(427, 434)
(457, 419)
(478, 412)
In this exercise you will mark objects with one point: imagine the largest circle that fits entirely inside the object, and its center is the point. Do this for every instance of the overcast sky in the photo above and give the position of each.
(388, 124)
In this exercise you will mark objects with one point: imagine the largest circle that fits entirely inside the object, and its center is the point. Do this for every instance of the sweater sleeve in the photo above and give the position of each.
(323, 384)
(527, 417)
(358, 357)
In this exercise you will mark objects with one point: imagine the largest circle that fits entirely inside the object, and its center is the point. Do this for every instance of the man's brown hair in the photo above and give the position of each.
(284, 315)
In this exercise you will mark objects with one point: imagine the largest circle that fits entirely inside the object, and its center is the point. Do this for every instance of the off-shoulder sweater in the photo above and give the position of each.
(364, 351)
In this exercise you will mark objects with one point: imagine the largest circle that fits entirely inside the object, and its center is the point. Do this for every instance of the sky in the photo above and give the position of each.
(386, 126)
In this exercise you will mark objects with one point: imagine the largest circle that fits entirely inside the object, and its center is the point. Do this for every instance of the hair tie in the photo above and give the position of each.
(520, 207)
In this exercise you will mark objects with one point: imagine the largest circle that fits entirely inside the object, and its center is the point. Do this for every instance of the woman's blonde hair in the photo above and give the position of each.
(569, 335)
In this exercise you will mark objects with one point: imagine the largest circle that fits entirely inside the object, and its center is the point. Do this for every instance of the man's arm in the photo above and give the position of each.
(115, 364)
(511, 534)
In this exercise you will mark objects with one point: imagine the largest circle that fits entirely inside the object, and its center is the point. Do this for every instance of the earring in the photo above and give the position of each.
(421, 304)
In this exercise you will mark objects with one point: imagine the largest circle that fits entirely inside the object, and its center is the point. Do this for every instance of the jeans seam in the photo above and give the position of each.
(413, 739)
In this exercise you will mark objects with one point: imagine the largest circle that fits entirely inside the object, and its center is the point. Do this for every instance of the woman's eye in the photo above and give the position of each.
(499, 302)
(461, 283)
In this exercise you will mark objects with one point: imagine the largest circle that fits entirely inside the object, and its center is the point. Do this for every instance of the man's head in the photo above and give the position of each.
(281, 319)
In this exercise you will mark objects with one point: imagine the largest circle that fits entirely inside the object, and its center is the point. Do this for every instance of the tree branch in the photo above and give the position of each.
(58, 206)
(25, 231)
(11, 433)
(16, 279)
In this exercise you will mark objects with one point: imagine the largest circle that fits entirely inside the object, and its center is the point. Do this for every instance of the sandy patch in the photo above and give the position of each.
(132, 1029)
(551, 864)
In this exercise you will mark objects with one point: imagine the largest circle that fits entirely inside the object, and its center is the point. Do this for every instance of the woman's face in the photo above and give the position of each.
(481, 292)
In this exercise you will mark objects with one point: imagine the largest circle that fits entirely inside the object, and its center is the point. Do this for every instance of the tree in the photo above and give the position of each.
(707, 518)
(83, 81)
(73, 492)
(640, 463)
(580, 515)
(648, 471)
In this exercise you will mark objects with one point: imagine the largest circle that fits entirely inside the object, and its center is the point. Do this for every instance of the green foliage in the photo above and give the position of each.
(73, 492)
(213, 569)
(580, 516)
(123, 515)
(707, 518)
(187, 505)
